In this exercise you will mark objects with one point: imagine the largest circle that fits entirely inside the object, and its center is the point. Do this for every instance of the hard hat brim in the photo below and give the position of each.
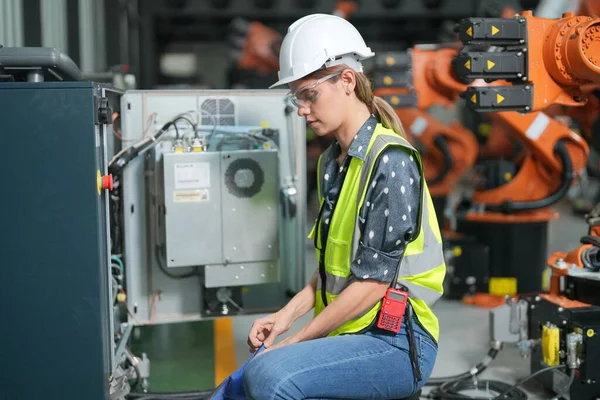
(284, 81)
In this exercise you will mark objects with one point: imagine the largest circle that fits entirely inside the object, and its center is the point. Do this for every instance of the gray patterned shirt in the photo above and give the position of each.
(390, 210)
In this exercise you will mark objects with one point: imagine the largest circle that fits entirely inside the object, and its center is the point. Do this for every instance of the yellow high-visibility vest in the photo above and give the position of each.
(422, 269)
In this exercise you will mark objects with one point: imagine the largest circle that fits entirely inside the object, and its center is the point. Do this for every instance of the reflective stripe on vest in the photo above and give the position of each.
(422, 268)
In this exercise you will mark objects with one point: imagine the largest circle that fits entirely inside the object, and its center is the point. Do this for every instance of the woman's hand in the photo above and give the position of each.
(265, 330)
(288, 340)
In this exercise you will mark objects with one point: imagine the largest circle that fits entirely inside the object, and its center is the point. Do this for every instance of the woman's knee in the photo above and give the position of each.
(269, 377)
(261, 377)
(256, 379)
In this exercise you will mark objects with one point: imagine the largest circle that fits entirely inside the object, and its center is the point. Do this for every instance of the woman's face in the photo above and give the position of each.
(321, 101)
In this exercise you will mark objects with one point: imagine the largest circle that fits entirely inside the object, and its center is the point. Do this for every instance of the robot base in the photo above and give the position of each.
(517, 251)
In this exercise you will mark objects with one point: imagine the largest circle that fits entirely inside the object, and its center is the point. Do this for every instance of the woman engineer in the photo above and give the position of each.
(376, 230)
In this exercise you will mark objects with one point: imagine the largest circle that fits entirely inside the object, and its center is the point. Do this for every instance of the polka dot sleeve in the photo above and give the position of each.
(389, 212)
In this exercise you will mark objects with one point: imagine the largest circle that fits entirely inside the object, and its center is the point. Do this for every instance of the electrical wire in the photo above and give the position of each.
(123, 157)
(138, 375)
(455, 389)
(451, 390)
(478, 369)
(177, 136)
(568, 387)
(189, 121)
(522, 381)
(118, 260)
(170, 274)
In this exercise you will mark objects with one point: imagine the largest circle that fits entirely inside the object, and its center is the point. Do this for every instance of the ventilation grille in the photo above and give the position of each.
(244, 178)
(222, 110)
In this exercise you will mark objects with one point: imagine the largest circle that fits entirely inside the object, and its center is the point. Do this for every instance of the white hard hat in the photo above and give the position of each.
(320, 41)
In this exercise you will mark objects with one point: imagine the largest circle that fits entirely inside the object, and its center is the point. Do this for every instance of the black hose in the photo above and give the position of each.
(137, 377)
(509, 207)
(165, 270)
(505, 394)
(452, 390)
(593, 240)
(478, 369)
(117, 165)
(190, 395)
(442, 145)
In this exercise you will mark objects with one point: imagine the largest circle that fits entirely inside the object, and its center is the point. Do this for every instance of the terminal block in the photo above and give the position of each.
(541, 61)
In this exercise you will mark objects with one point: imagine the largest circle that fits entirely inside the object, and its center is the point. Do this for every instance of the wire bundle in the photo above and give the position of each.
(454, 389)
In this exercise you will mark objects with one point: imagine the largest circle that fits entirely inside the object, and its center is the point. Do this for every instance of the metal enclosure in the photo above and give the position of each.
(209, 219)
(55, 296)
(184, 211)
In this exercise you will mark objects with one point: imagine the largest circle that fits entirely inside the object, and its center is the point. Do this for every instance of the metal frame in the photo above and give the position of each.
(181, 299)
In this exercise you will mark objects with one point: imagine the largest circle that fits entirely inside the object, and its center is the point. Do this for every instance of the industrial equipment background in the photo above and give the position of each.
(192, 26)
(414, 83)
(543, 62)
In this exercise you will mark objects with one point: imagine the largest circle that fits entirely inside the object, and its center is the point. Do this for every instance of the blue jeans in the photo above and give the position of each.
(373, 365)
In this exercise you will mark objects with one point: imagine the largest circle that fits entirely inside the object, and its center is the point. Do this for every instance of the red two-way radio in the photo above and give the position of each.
(393, 306)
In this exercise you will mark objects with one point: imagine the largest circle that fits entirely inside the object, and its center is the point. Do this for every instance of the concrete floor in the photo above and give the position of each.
(464, 329)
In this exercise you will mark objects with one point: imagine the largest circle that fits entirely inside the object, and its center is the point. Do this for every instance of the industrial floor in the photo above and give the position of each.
(184, 355)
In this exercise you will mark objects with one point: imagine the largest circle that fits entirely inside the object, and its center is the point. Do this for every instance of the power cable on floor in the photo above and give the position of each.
(454, 390)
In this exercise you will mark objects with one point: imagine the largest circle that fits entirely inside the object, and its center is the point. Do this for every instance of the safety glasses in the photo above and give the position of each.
(307, 95)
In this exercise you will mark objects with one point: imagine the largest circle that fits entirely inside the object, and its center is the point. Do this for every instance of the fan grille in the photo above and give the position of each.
(244, 178)
(223, 111)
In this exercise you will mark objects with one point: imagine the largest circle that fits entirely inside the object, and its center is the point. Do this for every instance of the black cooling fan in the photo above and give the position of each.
(244, 178)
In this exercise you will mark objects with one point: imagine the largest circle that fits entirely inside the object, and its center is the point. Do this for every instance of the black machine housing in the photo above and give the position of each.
(568, 318)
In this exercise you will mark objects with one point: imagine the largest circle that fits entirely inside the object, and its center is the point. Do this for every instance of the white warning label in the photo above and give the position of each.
(190, 196)
(192, 175)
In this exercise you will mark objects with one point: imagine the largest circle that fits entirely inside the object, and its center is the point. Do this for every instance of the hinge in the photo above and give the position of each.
(103, 111)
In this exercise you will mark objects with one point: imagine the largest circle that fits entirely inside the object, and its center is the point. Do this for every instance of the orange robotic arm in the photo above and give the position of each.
(554, 155)
(412, 83)
(257, 45)
(448, 151)
(547, 61)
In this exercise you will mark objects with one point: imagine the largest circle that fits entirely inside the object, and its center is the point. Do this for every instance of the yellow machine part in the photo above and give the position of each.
(551, 345)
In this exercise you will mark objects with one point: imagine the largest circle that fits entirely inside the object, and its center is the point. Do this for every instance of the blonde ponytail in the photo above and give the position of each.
(388, 117)
(379, 107)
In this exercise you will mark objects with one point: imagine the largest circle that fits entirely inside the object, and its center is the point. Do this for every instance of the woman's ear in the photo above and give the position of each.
(348, 78)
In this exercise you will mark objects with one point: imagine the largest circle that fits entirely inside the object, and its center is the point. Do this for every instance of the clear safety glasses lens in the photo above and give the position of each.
(303, 95)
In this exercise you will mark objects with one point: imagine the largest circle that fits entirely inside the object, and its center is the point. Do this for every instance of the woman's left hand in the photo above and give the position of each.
(289, 340)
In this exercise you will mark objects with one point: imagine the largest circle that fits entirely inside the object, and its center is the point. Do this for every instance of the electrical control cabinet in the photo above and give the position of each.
(135, 208)
(59, 338)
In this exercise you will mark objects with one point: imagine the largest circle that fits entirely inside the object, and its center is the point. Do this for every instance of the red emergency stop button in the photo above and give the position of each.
(107, 182)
